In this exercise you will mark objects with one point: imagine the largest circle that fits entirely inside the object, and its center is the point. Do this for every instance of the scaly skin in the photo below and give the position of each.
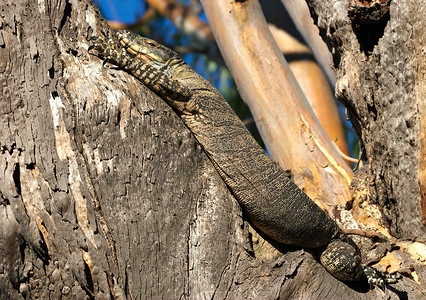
(270, 200)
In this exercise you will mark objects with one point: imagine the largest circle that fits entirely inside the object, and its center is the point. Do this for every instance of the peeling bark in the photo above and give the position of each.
(380, 66)
(290, 130)
(104, 192)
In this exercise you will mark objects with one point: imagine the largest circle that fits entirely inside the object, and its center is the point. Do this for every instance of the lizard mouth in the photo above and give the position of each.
(139, 54)
(136, 51)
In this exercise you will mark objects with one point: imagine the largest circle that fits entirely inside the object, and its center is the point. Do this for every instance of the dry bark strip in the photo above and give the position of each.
(104, 192)
(379, 55)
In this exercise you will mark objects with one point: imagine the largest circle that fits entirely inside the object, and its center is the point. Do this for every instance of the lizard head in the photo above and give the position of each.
(342, 259)
(147, 50)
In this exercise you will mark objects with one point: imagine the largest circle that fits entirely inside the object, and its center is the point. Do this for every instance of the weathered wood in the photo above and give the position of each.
(290, 130)
(104, 192)
(381, 80)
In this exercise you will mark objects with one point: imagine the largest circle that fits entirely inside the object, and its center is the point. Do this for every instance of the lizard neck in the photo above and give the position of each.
(182, 72)
(175, 67)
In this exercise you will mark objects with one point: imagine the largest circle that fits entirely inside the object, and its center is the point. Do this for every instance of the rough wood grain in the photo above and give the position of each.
(380, 70)
(104, 192)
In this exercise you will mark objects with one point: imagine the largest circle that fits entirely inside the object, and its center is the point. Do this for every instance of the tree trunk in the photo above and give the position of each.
(106, 194)
(379, 54)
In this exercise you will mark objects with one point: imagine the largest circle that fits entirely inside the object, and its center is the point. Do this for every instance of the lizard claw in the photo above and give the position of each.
(99, 44)
(105, 48)
(94, 38)
(376, 278)
(91, 47)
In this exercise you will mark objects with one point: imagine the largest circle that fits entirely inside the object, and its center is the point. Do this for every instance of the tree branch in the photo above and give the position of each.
(288, 126)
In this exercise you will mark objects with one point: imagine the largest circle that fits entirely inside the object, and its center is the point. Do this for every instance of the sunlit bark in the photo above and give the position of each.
(290, 130)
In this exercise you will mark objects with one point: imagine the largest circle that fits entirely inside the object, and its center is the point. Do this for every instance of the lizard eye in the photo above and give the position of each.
(151, 44)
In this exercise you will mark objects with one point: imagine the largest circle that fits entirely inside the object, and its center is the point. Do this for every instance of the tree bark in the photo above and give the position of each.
(105, 193)
(381, 73)
(290, 130)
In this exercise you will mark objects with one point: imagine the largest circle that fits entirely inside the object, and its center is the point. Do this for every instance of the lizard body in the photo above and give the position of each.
(270, 200)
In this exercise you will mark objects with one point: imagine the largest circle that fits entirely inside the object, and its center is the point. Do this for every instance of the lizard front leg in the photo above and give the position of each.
(170, 90)
(275, 211)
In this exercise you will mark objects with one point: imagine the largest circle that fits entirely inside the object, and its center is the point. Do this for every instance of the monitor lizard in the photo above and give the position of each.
(269, 199)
